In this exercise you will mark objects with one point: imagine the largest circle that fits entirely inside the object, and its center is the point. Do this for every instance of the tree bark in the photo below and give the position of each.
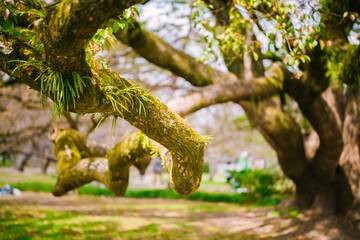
(350, 158)
(257, 88)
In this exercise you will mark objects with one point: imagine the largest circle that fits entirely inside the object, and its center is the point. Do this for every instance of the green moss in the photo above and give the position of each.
(124, 96)
(70, 148)
(73, 140)
(59, 21)
(76, 167)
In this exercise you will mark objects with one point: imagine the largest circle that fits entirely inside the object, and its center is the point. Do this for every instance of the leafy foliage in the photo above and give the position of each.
(288, 28)
(256, 183)
(124, 19)
(104, 39)
(22, 18)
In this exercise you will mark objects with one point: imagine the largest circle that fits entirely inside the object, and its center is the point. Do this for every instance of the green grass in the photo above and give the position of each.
(6, 163)
(45, 183)
(200, 196)
(33, 186)
(135, 193)
(12, 177)
(116, 220)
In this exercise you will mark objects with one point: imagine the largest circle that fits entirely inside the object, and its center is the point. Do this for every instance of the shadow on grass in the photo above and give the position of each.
(68, 228)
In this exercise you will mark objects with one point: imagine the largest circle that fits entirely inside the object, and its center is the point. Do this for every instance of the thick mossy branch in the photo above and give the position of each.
(257, 88)
(70, 24)
(142, 110)
(162, 54)
(121, 97)
(74, 21)
(351, 71)
(162, 125)
(12, 52)
(281, 131)
(70, 150)
(77, 165)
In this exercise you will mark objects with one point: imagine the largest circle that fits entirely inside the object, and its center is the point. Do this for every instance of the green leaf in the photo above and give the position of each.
(16, 33)
(136, 10)
(255, 55)
(116, 27)
(103, 62)
(127, 13)
(29, 4)
(296, 63)
(313, 44)
(121, 24)
(307, 58)
(6, 25)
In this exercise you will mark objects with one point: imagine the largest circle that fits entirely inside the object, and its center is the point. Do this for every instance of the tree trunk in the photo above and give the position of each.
(333, 197)
(332, 185)
(21, 162)
(47, 163)
(350, 158)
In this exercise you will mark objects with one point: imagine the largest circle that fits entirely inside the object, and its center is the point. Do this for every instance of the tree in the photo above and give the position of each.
(317, 141)
(24, 140)
(67, 77)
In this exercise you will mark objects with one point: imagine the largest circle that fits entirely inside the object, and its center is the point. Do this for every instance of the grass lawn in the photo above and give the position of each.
(45, 183)
(42, 216)
(150, 214)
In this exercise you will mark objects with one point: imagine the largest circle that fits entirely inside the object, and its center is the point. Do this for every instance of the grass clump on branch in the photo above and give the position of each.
(123, 99)
(63, 89)
(126, 99)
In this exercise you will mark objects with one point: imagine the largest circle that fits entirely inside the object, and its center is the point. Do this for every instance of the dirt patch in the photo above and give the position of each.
(170, 219)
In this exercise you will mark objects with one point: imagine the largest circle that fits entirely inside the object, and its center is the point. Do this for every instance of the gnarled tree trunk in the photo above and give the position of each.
(350, 158)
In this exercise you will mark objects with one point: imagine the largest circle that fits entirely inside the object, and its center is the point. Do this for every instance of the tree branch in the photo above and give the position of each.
(160, 53)
(110, 94)
(70, 24)
(75, 21)
(281, 131)
(78, 166)
(262, 87)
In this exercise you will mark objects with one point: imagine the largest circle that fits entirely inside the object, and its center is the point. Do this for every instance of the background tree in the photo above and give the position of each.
(322, 159)
(26, 124)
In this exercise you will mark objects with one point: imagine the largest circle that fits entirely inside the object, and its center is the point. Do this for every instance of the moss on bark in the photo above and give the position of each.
(78, 166)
